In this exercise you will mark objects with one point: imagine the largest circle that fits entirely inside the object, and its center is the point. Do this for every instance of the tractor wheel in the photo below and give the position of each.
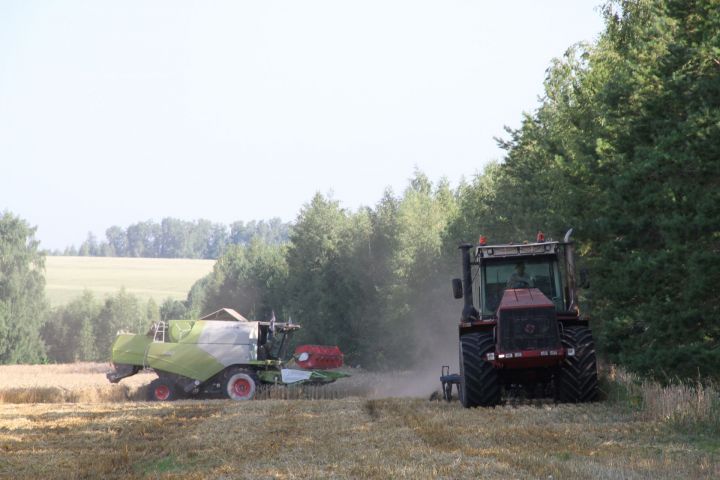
(577, 379)
(161, 390)
(479, 383)
(240, 384)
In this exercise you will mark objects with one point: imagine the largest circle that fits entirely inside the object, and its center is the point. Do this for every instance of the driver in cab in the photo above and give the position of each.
(519, 279)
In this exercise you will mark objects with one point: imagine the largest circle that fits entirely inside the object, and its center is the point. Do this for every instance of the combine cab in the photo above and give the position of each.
(221, 354)
(520, 327)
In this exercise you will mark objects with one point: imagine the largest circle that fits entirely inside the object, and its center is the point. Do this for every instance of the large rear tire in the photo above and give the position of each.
(240, 385)
(479, 382)
(161, 390)
(577, 379)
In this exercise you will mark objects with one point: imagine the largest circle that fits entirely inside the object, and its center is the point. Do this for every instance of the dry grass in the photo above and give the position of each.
(85, 382)
(74, 383)
(346, 438)
(157, 278)
(684, 406)
(350, 437)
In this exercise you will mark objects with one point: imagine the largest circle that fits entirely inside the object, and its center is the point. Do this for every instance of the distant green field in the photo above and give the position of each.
(156, 278)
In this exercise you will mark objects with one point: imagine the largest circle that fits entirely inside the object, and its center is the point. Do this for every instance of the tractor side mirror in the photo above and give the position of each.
(457, 288)
(584, 278)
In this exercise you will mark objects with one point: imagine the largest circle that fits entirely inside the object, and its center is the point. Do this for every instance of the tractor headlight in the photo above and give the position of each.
(303, 357)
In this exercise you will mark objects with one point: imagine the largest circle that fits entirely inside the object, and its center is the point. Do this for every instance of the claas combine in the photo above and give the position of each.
(520, 327)
(222, 354)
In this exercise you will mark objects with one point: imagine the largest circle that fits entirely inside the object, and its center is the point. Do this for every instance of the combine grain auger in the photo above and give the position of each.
(221, 354)
(521, 327)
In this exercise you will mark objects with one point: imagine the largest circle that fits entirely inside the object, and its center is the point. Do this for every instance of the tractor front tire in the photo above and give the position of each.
(479, 382)
(577, 379)
(240, 384)
(161, 390)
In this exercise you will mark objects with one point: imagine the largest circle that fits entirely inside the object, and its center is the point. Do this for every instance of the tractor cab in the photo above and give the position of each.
(490, 271)
(499, 274)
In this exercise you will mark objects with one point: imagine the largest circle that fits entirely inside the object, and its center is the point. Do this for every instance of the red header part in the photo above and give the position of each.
(318, 357)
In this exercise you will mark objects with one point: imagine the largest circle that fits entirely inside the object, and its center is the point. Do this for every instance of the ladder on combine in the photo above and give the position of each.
(160, 331)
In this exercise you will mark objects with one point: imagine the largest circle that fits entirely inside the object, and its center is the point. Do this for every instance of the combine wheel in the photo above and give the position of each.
(479, 383)
(240, 384)
(161, 390)
(577, 379)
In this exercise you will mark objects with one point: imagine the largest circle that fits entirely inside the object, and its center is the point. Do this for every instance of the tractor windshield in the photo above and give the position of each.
(499, 274)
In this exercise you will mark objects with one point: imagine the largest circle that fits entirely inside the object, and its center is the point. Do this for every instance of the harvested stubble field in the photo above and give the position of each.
(352, 435)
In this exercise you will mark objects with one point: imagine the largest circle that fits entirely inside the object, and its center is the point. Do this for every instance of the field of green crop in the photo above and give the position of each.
(156, 278)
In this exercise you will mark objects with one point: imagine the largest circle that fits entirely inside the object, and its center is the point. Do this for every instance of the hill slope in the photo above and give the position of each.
(157, 278)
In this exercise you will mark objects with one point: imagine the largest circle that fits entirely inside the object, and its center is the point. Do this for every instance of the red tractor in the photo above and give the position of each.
(521, 327)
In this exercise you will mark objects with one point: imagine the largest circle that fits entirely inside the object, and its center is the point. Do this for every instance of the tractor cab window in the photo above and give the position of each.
(533, 272)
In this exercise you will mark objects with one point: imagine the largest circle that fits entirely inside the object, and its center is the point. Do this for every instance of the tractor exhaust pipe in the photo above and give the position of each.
(469, 308)
(570, 269)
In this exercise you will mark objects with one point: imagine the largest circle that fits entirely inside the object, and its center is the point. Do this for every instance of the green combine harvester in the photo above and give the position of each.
(222, 355)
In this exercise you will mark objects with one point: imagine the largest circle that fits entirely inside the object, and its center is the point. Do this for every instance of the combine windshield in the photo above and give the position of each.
(533, 272)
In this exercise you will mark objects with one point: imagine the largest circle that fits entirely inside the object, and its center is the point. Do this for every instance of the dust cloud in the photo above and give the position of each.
(435, 343)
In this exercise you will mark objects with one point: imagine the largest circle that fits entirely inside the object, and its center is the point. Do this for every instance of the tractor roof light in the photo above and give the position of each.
(540, 237)
(482, 240)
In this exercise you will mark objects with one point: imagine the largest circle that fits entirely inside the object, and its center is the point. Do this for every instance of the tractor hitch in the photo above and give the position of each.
(448, 380)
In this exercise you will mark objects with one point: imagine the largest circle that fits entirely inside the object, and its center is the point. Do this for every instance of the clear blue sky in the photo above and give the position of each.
(114, 112)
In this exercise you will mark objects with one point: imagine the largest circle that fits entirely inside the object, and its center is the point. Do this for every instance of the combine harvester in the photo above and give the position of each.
(221, 354)
(521, 328)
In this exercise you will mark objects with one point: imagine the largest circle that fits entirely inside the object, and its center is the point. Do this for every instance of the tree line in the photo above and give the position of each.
(624, 148)
(175, 238)
(85, 328)
(373, 281)
(364, 280)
